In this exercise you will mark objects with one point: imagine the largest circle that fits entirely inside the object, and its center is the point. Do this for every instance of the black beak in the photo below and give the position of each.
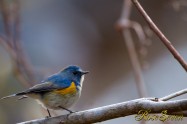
(84, 72)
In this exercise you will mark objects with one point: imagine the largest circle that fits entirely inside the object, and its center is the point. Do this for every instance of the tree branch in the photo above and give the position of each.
(115, 111)
(162, 37)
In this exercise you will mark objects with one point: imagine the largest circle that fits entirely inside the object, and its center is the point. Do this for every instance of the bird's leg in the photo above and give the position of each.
(48, 113)
(66, 109)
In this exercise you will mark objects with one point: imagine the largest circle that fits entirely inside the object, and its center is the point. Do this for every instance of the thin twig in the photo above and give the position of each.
(162, 37)
(126, 24)
(7, 16)
(115, 111)
(173, 95)
(135, 63)
(22, 61)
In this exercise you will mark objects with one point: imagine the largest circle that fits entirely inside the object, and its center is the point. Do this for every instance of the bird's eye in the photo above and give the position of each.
(75, 73)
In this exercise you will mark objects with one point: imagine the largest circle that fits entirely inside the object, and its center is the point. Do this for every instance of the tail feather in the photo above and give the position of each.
(6, 97)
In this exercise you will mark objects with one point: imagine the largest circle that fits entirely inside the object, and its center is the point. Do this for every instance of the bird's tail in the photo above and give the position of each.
(6, 97)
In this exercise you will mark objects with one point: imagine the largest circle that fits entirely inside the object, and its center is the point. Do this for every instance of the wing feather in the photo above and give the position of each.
(51, 83)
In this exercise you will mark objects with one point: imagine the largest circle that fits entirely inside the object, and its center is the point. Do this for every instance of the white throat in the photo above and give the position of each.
(82, 79)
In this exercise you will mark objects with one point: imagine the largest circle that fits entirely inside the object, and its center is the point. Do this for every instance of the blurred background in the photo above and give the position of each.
(58, 33)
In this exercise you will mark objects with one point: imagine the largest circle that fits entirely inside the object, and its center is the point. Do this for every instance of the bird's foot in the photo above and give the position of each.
(70, 112)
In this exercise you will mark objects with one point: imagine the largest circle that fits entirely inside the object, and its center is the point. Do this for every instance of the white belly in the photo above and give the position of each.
(58, 101)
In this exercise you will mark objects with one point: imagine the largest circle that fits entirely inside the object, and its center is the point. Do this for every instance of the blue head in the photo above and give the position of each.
(74, 73)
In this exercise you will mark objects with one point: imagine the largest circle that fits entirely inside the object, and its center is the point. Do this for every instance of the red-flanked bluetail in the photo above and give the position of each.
(59, 91)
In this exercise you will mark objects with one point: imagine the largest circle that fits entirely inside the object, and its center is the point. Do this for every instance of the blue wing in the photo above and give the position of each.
(51, 83)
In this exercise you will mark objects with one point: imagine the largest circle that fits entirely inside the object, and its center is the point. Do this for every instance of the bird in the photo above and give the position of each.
(58, 91)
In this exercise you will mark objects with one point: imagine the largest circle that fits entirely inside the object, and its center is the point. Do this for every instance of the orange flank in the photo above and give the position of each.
(69, 90)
